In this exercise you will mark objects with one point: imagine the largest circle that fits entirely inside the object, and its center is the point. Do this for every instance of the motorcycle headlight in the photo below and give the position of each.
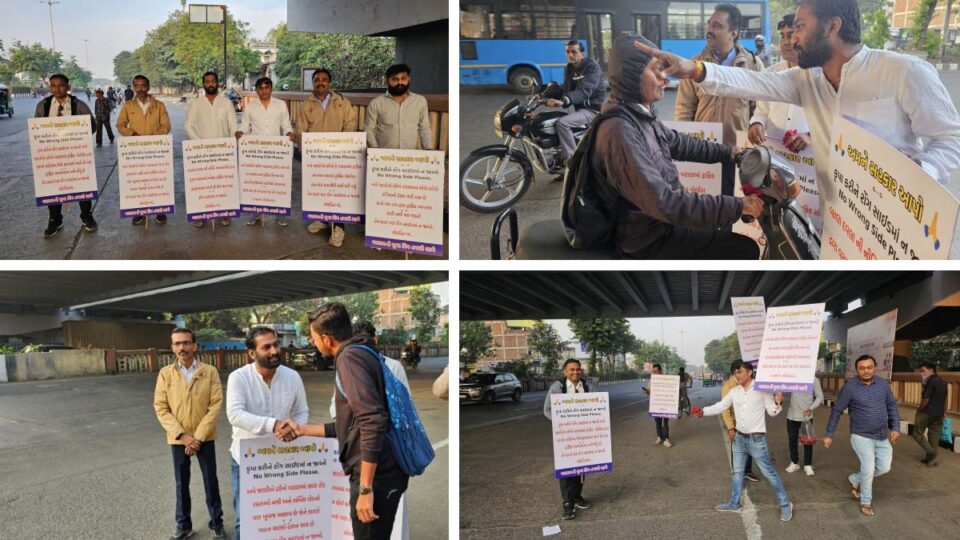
(496, 126)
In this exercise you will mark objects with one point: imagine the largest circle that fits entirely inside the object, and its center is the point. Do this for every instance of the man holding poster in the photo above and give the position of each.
(211, 117)
(664, 391)
(61, 103)
(269, 117)
(571, 488)
(751, 439)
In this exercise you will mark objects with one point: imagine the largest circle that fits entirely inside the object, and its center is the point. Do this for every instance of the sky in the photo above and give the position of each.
(112, 27)
(696, 332)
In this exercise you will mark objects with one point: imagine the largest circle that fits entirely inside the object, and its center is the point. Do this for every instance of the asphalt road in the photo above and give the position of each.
(542, 200)
(22, 222)
(508, 491)
(86, 458)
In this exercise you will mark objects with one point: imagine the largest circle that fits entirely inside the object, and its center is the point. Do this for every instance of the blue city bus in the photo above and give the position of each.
(521, 42)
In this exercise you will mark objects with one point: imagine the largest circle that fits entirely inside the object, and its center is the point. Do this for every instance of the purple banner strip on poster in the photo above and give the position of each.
(794, 388)
(219, 214)
(269, 210)
(584, 469)
(147, 211)
(332, 216)
(67, 198)
(663, 415)
(403, 245)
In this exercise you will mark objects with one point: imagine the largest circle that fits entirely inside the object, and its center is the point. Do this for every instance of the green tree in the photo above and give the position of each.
(205, 335)
(720, 353)
(656, 352)
(546, 341)
(126, 65)
(79, 77)
(35, 59)
(605, 338)
(878, 29)
(920, 24)
(198, 48)
(397, 335)
(425, 312)
(476, 341)
(361, 306)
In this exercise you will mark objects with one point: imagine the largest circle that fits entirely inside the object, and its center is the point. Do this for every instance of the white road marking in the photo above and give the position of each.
(441, 444)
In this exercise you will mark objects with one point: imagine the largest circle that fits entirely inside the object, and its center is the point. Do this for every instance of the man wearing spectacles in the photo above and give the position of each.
(61, 103)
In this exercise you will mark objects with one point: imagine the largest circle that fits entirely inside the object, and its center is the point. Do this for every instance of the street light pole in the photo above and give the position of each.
(86, 46)
(226, 75)
(53, 37)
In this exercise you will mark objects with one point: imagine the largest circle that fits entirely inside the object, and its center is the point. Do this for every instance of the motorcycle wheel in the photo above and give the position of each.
(474, 171)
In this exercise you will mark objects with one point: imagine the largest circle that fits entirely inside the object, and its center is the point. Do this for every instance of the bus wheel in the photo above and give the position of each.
(524, 80)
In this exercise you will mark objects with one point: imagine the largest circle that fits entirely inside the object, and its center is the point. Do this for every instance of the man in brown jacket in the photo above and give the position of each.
(143, 115)
(723, 30)
(187, 400)
(730, 422)
(324, 111)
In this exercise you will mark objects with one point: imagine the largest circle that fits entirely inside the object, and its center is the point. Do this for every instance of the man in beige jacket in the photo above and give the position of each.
(143, 115)
(325, 111)
(723, 47)
(187, 399)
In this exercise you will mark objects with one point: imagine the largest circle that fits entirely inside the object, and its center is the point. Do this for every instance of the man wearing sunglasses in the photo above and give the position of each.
(61, 103)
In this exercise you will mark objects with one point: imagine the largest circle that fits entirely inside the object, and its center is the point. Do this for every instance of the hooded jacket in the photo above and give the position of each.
(635, 161)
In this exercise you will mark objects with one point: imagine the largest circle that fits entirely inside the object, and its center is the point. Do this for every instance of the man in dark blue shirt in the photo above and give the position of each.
(930, 413)
(874, 419)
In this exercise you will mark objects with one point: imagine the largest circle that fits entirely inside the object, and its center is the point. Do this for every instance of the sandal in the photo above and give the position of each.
(854, 490)
(866, 510)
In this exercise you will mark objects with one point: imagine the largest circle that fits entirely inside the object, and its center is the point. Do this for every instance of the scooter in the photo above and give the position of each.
(788, 232)
(494, 177)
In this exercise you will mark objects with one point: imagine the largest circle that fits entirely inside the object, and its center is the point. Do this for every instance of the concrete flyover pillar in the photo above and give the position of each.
(110, 361)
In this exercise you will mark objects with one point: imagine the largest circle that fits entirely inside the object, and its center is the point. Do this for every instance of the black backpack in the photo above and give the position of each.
(587, 221)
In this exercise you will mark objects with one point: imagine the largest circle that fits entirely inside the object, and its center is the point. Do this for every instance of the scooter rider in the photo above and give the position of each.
(582, 88)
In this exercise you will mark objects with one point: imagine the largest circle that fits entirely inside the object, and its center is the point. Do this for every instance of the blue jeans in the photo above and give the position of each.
(875, 460)
(235, 483)
(754, 446)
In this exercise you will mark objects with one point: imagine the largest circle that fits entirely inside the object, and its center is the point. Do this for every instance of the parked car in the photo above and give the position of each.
(489, 387)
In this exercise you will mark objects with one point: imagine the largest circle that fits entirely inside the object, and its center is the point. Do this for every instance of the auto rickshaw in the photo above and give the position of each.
(6, 104)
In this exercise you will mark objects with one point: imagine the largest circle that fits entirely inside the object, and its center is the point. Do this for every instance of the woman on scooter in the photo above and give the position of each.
(636, 177)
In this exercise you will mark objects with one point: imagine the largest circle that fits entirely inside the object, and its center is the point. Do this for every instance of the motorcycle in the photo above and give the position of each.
(494, 177)
(789, 233)
(409, 358)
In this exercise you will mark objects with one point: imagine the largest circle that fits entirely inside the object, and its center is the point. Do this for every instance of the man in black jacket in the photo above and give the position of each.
(363, 418)
(582, 88)
(930, 413)
(61, 103)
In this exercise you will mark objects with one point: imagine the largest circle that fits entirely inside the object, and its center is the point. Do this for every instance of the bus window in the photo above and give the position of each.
(648, 26)
(468, 50)
(685, 20)
(476, 22)
(751, 13)
(600, 31)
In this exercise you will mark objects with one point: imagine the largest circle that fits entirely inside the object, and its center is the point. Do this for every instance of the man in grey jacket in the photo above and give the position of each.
(800, 410)
(656, 218)
(571, 489)
(583, 89)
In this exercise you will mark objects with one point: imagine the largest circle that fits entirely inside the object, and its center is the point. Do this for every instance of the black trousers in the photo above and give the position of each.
(684, 243)
(571, 489)
(104, 124)
(207, 458)
(386, 500)
(663, 427)
(793, 434)
(56, 211)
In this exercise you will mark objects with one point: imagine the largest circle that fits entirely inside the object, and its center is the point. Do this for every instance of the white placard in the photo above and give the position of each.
(880, 204)
(333, 176)
(581, 434)
(702, 178)
(146, 175)
(664, 396)
(297, 490)
(211, 182)
(874, 337)
(788, 357)
(405, 200)
(266, 174)
(749, 314)
(61, 153)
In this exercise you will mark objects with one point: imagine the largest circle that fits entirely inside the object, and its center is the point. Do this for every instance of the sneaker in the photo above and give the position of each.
(181, 534)
(569, 511)
(161, 219)
(53, 227)
(793, 467)
(751, 477)
(255, 220)
(659, 440)
(199, 224)
(931, 462)
(138, 220)
(581, 503)
(316, 227)
(281, 221)
(336, 237)
(667, 443)
(224, 222)
(89, 224)
(808, 470)
(218, 532)
(786, 512)
(727, 507)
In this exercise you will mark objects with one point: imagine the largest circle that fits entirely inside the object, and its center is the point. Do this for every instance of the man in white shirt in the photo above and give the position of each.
(897, 97)
(211, 117)
(749, 406)
(395, 367)
(571, 489)
(261, 396)
(266, 116)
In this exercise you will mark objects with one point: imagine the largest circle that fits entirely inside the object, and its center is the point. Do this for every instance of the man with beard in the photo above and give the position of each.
(262, 398)
(211, 116)
(694, 105)
(398, 118)
(187, 400)
(897, 97)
